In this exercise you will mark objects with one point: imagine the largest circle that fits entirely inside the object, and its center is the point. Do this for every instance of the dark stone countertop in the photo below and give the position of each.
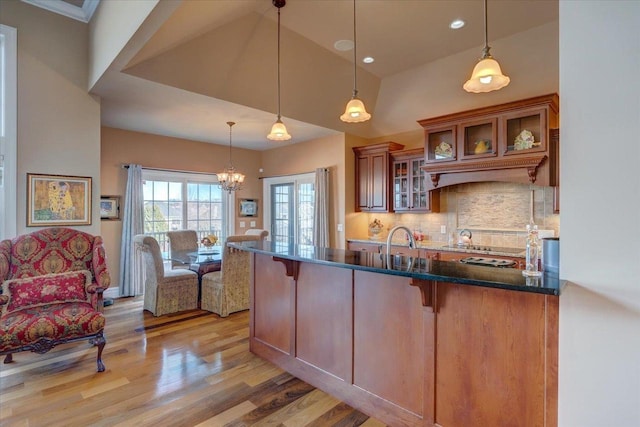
(419, 268)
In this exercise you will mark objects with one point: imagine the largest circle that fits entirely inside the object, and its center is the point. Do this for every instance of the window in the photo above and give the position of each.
(290, 208)
(8, 126)
(179, 201)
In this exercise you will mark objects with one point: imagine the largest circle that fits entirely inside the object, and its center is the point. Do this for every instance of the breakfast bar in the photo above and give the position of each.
(410, 341)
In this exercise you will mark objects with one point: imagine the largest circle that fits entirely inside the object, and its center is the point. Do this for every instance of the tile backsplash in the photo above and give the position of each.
(496, 213)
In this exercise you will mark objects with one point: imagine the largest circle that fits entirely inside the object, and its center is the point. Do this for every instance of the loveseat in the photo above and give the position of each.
(52, 285)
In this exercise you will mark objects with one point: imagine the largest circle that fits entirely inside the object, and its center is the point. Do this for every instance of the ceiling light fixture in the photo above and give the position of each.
(368, 59)
(279, 130)
(355, 112)
(456, 24)
(487, 75)
(230, 180)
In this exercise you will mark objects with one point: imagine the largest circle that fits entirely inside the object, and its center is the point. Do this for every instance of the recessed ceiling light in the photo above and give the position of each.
(456, 24)
(343, 45)
(368, 59)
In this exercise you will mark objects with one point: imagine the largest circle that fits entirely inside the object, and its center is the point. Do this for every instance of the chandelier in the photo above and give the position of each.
(230, 179)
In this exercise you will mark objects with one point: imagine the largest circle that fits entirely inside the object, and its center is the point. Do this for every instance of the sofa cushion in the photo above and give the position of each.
(46, 289)
(54, 322)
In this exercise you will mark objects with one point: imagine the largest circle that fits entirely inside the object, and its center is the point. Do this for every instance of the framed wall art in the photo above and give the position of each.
(58, 200)
(248, 207)
(110, 207)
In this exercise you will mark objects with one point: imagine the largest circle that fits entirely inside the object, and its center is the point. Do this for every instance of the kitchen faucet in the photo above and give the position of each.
(412, 240)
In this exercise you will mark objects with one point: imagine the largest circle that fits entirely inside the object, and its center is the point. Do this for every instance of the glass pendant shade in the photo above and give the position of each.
(486, 77)
(279, 132)
(355, 112)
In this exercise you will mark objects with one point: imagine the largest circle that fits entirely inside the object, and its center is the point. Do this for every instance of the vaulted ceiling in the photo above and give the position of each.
(214, 61)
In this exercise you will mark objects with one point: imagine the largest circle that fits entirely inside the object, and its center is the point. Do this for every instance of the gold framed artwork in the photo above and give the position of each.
(110, 207)
(58, 200)
(248, 207)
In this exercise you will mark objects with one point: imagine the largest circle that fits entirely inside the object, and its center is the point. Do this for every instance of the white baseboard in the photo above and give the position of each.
(112, 292)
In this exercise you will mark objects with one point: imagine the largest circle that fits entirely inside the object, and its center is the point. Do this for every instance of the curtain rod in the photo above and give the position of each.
(171, 170)
(291, 174)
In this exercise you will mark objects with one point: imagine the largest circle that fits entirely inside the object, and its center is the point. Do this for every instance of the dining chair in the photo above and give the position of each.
(183, 241)
(257, 232)
(165, 291)
(227, 291)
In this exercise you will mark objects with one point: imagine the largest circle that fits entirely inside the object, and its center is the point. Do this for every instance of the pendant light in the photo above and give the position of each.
(279, 130)
(355, 112)
(230, 180)
(487, 75)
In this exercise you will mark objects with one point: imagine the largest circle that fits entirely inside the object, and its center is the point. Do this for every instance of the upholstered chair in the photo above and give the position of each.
(257, 232)
(227, 291)
(165, 291)
(182, 241)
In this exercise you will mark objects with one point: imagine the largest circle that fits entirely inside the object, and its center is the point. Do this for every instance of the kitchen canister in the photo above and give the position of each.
(551, 254)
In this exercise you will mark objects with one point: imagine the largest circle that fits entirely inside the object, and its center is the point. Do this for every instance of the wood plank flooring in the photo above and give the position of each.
(188, 369)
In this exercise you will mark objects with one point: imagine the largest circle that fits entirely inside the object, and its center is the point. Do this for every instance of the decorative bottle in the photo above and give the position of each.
(533, 252)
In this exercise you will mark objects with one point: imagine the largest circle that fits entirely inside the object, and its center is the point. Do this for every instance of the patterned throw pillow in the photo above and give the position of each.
(46, 289)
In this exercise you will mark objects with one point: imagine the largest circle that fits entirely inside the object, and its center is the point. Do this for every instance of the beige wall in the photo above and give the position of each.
(121, 147)
(58, 121)
(306, 157)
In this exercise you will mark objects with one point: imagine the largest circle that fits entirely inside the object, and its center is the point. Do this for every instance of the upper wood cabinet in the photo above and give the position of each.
(409, 183)
(507, 142)
(372, 176)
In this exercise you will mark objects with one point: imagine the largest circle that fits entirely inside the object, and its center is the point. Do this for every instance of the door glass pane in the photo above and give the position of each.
(304, 215)
(282, 212)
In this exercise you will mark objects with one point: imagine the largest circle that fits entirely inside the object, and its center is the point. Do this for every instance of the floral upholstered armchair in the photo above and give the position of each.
(52, 285)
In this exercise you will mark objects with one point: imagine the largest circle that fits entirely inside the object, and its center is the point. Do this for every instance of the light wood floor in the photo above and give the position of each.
(189, 369)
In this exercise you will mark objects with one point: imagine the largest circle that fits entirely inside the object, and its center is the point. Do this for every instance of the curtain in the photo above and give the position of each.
(131, 271)
(321, 209)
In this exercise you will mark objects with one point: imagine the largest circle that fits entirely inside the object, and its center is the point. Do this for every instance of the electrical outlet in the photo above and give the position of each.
(242, 224)
(253, 224)
(340, 228)
(443, 229)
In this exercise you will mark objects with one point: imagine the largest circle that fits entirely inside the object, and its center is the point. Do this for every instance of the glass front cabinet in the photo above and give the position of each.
(409, 181)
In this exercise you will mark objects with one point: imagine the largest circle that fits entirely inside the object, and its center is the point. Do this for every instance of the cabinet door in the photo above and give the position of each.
(419, 192)
(363, 174)
(494, 356)
(440, 144)
(379, 186)
(524, 132)
(401, 185)
(479, 139)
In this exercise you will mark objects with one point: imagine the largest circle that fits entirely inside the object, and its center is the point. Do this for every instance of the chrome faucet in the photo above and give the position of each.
(412, 240)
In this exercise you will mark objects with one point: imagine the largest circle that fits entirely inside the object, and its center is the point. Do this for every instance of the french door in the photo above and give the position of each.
(290, 208)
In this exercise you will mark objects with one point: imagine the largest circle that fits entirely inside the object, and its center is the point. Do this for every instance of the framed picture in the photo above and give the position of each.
(248, 207)
(58, 200)
(110, 207)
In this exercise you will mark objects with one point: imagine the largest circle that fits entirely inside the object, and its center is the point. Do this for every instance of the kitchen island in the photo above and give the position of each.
(412, 342)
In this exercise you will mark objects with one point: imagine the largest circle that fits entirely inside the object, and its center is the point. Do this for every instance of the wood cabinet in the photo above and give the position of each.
(372, 177)
(407, 351)
(495, 357)
(409, 183)
(508, 142)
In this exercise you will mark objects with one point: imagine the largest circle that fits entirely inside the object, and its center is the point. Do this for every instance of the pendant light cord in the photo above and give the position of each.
(355, 55)
(485, 51)
(230, 160)
(278, 63)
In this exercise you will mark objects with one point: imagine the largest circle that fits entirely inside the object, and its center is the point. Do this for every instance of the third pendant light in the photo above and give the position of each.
(279, 130)
(355, 112)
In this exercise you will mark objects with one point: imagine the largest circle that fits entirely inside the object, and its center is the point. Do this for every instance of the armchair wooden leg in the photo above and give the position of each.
(8, 358)
(100, 342)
